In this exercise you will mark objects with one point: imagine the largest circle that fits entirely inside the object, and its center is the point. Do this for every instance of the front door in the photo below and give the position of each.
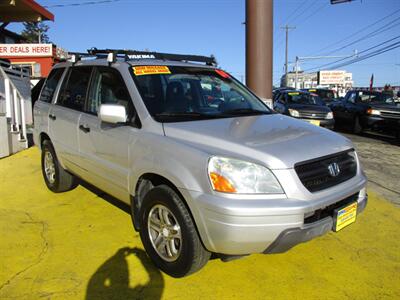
(104, 147)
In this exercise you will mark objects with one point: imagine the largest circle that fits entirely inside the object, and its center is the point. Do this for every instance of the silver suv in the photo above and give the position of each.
(205, 165)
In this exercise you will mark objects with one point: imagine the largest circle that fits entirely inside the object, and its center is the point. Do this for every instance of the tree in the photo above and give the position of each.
(35, 32)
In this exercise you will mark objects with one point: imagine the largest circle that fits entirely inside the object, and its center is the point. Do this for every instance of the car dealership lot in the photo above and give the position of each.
(380, 157)
(81, 245)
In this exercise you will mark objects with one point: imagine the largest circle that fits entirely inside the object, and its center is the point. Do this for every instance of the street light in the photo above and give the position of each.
(298, 59)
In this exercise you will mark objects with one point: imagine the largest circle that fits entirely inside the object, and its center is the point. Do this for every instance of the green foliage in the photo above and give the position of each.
(33, 30)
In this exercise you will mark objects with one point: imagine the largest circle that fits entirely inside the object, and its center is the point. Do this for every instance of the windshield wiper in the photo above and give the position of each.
(170, 116)
(245, 111)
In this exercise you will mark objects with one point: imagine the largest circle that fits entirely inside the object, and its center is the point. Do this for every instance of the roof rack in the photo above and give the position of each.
(134, 54)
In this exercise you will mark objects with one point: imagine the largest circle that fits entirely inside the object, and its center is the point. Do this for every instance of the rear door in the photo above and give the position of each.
(42, 107)
(104, 147)
(64, 117)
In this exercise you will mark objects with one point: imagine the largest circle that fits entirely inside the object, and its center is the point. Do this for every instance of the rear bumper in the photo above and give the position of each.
(293, 236)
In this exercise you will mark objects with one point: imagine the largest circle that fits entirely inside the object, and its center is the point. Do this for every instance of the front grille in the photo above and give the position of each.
(315, 174)
(389, 114)
(311, 115)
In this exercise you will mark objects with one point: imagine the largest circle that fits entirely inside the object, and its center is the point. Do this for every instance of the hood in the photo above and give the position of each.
(309, 108)
(274, 140)
(394, 107)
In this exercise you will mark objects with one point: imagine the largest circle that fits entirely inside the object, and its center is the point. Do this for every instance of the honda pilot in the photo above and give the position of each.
(205, 165)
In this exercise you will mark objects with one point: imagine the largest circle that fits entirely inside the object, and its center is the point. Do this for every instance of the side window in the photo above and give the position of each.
(73, 91)
(51, 85)
(108, 87)
(352, 97)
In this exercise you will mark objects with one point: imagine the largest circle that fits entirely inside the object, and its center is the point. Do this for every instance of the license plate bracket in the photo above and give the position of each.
(344, 216)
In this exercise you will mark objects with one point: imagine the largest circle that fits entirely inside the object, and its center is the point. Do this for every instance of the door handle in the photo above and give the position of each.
(84, 128)
(53, 117)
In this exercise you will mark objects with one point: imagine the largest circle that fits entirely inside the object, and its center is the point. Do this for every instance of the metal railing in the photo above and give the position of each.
(15, 110)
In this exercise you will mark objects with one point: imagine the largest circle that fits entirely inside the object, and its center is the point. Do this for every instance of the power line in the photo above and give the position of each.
(375, 53)
(369, 35)
(297, 16)
(358, 31)
(319, 8)
(81, 3)
(342, 59)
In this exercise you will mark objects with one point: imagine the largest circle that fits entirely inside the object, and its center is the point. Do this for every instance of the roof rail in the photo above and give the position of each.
(134, 54)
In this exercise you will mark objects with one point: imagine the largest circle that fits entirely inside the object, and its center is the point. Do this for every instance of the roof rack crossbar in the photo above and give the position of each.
(134, 54)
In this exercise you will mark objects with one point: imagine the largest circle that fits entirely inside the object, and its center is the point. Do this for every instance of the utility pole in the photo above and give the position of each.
(287, 28)
(259, 30)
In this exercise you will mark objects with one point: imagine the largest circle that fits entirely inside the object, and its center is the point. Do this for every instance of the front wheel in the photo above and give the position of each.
(169, 234)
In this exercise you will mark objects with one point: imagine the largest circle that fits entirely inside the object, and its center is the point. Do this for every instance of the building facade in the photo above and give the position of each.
(339, 80)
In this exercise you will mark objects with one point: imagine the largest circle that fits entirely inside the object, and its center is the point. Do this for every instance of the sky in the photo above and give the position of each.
(216, 27)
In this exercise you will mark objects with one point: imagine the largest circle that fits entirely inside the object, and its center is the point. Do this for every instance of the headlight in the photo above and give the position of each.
(236, 176)
(294, 113)
(329, 115)
(373, 112)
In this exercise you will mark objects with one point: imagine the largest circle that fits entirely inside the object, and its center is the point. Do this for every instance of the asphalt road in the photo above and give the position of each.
(380, 157)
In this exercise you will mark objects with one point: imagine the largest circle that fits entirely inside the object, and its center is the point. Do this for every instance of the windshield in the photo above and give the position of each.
(367, 97)
(302, 98)
(173, 94)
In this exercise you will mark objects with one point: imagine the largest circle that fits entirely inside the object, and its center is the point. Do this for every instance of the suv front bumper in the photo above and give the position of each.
(232, 226)
(293, 236)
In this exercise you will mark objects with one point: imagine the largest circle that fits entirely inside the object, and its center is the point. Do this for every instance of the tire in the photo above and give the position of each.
(56, 178)
(190, 254)
(357, 128)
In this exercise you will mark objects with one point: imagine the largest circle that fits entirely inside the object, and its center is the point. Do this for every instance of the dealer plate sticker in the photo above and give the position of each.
(151, 70)
(315, 122)
(345, 216)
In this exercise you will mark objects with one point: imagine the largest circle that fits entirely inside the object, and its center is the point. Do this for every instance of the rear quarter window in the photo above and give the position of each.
(51, 84)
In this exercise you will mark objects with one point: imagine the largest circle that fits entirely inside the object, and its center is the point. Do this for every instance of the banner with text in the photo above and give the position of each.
(331, 77)
(26, 50)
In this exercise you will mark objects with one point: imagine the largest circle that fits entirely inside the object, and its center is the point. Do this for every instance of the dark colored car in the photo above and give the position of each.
(305, 106)
(365, 110)
(327, 95)
(277, 91)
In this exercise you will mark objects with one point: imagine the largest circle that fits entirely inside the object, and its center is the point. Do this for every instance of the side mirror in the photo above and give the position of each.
(112, 113)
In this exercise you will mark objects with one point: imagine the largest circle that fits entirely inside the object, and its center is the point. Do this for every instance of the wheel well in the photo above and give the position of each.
(43, 137)
(145, 183)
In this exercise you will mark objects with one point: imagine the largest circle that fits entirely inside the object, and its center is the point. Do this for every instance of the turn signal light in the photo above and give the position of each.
(221, 184)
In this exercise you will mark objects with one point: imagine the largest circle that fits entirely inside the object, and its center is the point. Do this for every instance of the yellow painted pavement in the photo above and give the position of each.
(77, 245)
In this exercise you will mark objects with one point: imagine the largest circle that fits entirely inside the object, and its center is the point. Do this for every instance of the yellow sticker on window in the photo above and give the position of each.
(293, 94)
(150, 70)
(312, 90)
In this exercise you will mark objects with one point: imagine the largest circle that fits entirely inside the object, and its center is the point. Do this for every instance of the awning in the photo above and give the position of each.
(23, 11)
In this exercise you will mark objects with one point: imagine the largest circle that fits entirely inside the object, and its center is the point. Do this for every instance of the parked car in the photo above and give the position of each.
(305, 106)
(368, 110)
(327, 95)
(231, 179)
